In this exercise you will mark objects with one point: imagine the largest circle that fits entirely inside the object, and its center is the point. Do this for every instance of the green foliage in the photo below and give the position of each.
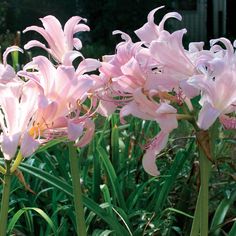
(117, 194)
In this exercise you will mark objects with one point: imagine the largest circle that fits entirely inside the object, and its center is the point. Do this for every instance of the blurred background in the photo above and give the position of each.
(204, 19)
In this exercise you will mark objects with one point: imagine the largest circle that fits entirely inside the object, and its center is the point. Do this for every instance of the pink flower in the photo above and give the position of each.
(218, 85)
(61, 43)
(63, 91)
(150, 31)
(132, 77)
(19, 103)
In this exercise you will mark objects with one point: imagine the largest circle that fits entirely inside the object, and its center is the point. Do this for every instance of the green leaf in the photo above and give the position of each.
(112, 177)
(67, 189)
(19, 213)
(220, 213)
(176, 167)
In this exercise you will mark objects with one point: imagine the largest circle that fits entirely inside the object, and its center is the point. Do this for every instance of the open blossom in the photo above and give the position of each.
(19, 103)
(139, 87)
(150, 31)
(61, 43)
(218, 85)
(63, 91)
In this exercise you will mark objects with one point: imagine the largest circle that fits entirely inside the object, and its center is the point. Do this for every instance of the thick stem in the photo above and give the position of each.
(200, 222)
(205, 166)
(5, 200)
(77, 192)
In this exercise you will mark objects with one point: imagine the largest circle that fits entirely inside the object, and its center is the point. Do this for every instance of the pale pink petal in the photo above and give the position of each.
(149, 31)
(132, 68)
(106, 108)
(7, 73)
(132, 108)
(41, 31)
(87, 65)
(77, 43)
(9, 145)
(124, 36)
(74, 131)
(207, 116)
(10, 108)
(70, 56)
(167, 16)
(9, 50)
(86, 138)
(166, 117)
(189, 90)
(69, 30)
(149, 158)
(54, 30)
(36, 43)
(28, 145)
(226, 42)
(81, 27)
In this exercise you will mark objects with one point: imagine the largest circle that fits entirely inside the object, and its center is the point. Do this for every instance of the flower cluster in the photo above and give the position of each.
(152, 78)
(46, 100)
(149, 79)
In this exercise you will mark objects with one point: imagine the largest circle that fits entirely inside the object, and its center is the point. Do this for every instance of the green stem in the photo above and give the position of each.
(77, 192)
(5, 200)
(196, 220)
(200, 222)
(205, 166)
(17, 162)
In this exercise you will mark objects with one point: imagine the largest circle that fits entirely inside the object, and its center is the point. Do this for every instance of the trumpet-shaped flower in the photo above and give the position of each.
(19, 103)
(150, 31)
(218, 86)
(63, 90)
(142, 92)
(61, 43)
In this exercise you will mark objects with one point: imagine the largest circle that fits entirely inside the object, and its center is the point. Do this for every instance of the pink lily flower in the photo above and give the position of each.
(218, 86)
(135, 82)
(61, 43)
(63, 89)
(150, 31)
(19, 103)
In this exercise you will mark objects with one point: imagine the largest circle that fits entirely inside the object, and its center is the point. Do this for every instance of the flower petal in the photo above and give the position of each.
(149, 158)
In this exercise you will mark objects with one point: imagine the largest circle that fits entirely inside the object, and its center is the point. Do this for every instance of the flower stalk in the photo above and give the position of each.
(16, 163)
(77, 192)
(200, 222)
(5, 200)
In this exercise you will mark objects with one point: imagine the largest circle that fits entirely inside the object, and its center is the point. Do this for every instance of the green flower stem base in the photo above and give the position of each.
(78, 200)
(200, 222)
(5, 200)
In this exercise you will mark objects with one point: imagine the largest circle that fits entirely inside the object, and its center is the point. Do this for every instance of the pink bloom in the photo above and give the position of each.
(134, 80)
(63, 89)
(150, 31)
(19, 103)
(218, 86)
(61, 43)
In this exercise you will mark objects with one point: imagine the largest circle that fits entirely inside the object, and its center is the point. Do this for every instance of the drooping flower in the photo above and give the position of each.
(61, 43)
